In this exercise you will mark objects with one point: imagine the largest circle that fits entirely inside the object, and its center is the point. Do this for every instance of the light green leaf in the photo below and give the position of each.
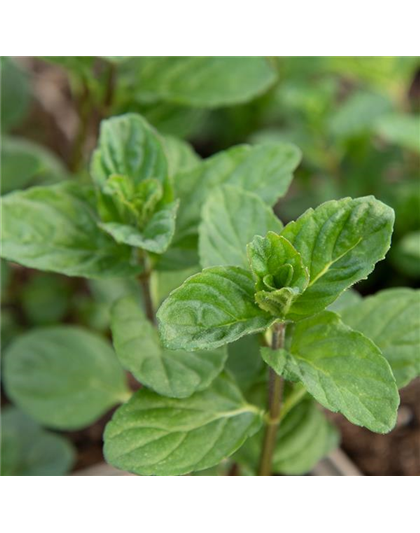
(205, 81)
(265, 170)
(129, 146)
(339, 242)
(400, 129)
(280, 276)
(29, 450)
(177, 374)
(391, 319)
(211, 309)
(304, 437)
(25, 163)
(357, 115)
(154, 435)
(14, 93)
(63, 376)
(55, 228)
(346, 299)
(230, 219)
(181, 156)
(156, 235)
(344, 371)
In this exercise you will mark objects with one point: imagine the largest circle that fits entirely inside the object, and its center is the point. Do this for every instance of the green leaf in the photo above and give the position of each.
(46, 299)
(94, 309)
(181, 156)
(304, 437)
(5, 273)
(230, 219)
(55, 228)
(339, 242)
(406, 254)
(163, 283)
(211, 309)
(344, 371)
(156, 235)
(129, 146)
(279, 273)
(244, 361)
(391, 319)
(357, 115)
(265, 170)
(400, 129)
(205, 81)
(29, 450)
(25, 163)
(177, 374)
(172, 119)
(14, 93)
(154, 435)
(346, 299)
(63, 376)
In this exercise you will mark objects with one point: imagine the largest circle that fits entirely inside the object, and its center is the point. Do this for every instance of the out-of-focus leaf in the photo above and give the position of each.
(205, 81)
(25, 163)
(46, 299)
(391, 318)
(357, 115)
(304, 437)
(15, 94)
(29, 450)
(406, 254)
(63, 376)
(400, 129)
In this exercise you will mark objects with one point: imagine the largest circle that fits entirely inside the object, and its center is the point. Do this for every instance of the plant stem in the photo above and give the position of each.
(275, 397)
(84, 109)
(144, 279)
(145, 285)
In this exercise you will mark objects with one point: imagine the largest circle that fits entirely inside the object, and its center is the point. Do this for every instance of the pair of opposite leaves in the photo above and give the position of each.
(338, 244)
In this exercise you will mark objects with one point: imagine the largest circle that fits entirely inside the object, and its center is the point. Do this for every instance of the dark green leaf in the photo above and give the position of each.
(15, 95)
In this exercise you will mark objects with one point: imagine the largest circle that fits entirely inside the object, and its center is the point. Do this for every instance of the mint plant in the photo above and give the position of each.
(271, 313)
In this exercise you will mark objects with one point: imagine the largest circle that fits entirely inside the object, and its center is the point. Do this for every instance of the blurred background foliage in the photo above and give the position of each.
(356, 120)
